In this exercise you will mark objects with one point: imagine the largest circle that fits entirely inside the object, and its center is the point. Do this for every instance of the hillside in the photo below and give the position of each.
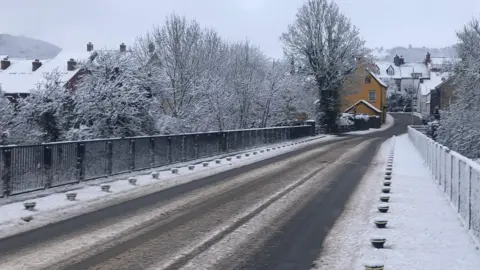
(413, 54)
(24, 47)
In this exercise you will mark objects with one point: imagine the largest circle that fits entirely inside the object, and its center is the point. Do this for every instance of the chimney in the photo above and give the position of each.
(123, 47)
(89, 47)
(428, 59)
(5, 63)
(396, 60)
(71, 65)
(402, 60)
(151, 47)
(36, 64)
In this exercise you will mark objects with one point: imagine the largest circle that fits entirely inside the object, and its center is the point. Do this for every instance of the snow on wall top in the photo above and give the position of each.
(20, 79)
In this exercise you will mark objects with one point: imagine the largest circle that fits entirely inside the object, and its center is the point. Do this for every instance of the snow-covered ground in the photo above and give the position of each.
(388, 124)
(423, 231)
(55, 207)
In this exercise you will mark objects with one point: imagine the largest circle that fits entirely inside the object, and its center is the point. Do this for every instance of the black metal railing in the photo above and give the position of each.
(29, 168)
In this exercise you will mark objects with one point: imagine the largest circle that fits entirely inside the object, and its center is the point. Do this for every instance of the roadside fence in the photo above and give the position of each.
(457, 175)
(27, 168)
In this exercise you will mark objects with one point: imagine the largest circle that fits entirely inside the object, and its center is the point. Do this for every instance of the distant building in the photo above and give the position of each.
(18, 77)
(417, 79)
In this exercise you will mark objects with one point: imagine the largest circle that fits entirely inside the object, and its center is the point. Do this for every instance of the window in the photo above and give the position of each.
(416, 75)
(390, 71)
(368, 80)
(372, 95)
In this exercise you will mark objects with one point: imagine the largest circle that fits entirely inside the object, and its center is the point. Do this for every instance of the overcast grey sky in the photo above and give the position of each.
(70, 24)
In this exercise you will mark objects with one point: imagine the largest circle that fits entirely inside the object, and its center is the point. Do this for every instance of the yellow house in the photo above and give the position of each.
(364, 93)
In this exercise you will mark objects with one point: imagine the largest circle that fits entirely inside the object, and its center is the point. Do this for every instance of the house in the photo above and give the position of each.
(366, 93)
(440, 64)
(416, 79)
(443, 95)
(18, 77)
(425, 88)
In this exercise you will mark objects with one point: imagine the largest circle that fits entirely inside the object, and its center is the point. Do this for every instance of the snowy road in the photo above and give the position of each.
(273, 214)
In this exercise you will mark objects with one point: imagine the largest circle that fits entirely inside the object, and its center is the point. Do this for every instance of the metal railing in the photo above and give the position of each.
(29, 168)
(458, 176)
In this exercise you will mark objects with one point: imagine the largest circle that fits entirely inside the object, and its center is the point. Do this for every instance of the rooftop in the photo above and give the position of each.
(404, 71)
(436, 78)
(19, 78)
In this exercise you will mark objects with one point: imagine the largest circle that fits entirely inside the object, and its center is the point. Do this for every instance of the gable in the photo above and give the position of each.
(390, 71)
(365, 103)
(379, 81)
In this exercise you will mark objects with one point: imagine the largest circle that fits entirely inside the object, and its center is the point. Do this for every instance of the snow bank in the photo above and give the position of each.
(423, 231)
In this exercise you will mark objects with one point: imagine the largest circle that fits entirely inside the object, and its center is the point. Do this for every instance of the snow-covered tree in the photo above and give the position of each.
(245, 78)
(395, 96)
(284, 95)
(215, 98)
(111, 99)
(460, 125)
(45, 114)
(6, 115)
(178, 60)
(327, 44)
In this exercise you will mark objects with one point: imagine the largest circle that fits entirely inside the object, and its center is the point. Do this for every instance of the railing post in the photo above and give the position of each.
(469, 175)
(132, 154)
(151, 148)
(109, 157)
(183, 156)
(451, 177)
(445, 160)
(436, 162)
(458, 185)
(47, 165)
(222, 142)
(7, 173)
(169, 152)
(80, 161)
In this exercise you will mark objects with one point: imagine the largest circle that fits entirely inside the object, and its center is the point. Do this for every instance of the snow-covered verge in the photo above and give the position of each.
(55, 207)
(423, 231)
(388, 124)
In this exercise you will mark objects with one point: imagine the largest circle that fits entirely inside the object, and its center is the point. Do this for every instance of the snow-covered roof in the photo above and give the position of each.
(404, 71)
(383, 66)
(442, 60)
(20, 79)
(368, 104)
(435, 80)
(408, 69)
(438, 60)
(379, 80)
